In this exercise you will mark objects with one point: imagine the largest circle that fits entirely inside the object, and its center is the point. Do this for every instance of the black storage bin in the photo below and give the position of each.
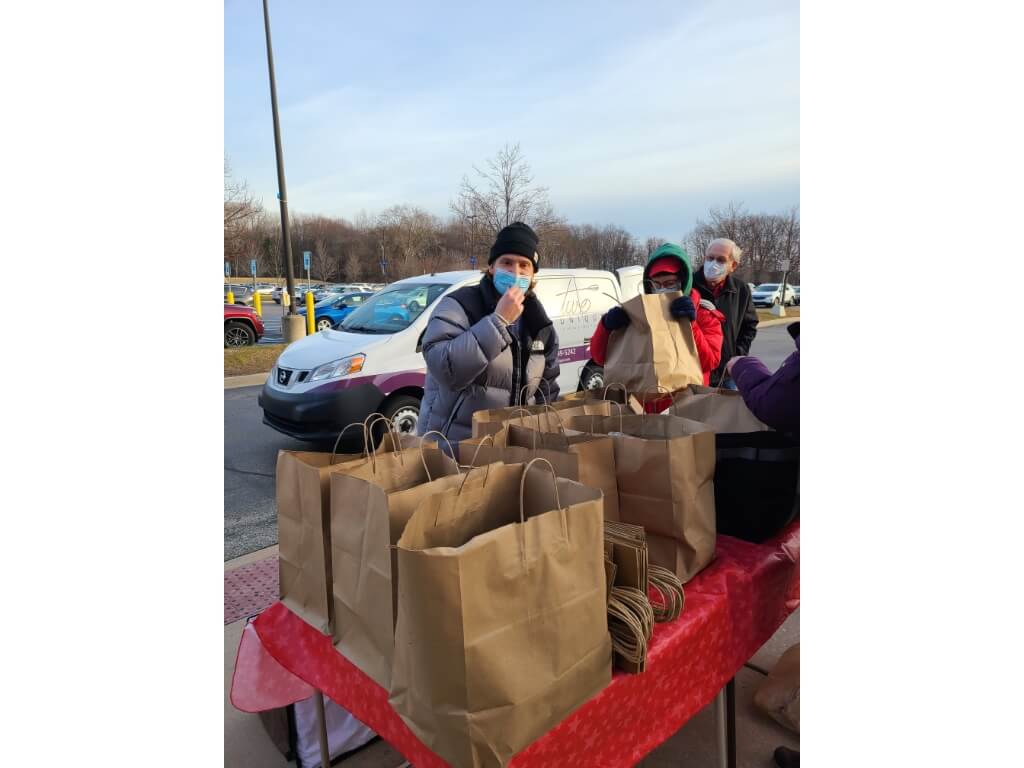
(757, 482)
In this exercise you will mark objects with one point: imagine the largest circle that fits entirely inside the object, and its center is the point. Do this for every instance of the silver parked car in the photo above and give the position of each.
(242, 294)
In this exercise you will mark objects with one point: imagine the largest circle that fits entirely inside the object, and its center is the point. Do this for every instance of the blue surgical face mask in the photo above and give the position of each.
(503, 280)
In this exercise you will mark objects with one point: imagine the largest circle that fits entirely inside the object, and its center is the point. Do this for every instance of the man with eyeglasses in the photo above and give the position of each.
(668, 271)
(732, 298)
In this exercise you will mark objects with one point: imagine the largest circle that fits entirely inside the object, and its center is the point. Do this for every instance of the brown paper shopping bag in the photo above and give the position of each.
(588, 459)
(665, 468)
(502, 618)
(371, 501)
(614, 392)
(488, 422)
(655, 350)
(722, 409)
(302, 492)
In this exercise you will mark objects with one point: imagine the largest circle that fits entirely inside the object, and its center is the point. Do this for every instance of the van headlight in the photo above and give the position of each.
(336, 368)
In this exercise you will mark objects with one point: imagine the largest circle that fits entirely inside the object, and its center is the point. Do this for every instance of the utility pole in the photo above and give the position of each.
(292, 325)
(471, 218)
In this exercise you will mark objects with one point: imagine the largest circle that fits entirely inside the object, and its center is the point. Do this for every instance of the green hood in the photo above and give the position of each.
(672, 250)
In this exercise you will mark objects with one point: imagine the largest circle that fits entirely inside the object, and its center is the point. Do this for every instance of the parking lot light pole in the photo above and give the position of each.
(291, 324)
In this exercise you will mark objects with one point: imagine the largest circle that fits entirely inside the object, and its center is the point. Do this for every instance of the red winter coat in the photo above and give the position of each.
(707, 335)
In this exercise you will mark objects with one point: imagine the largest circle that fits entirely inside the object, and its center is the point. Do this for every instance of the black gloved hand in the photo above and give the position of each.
(615, 319)
(683, 307)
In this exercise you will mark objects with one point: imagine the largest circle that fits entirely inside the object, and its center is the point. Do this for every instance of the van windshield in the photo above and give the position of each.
(393, 309)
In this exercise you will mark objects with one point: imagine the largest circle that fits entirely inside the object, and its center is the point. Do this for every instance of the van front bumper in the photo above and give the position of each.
(319, 416)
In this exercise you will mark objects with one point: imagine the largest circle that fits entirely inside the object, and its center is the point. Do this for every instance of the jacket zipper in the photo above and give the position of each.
(515, 371)
(451, 416)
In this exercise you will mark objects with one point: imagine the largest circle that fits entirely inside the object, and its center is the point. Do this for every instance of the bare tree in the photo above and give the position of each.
(504, 192)
(324, 267)
(652, 244)
(351, 266)
(242, 212)
(272, 253)
(766, 240)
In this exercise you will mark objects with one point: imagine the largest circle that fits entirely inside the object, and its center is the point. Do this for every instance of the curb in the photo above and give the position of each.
(252, 380)
(250, 557)
(779, 321)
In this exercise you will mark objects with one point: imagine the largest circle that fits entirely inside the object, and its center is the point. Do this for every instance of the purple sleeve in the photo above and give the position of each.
(773, 397)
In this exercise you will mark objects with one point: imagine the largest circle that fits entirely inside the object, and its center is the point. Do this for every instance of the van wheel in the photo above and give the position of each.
(404, 412)
(592, 377)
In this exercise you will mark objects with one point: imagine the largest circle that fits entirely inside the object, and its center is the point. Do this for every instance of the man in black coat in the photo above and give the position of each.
(732, 298)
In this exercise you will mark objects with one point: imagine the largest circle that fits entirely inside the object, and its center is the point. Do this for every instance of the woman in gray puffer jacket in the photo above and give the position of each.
(490, 345)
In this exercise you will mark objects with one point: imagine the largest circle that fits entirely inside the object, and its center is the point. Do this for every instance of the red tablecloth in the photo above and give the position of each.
(732, 608)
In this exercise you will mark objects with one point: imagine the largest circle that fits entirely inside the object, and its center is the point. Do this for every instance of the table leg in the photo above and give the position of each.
(321, 721)
(725, 725)
(721, 730)
(730, 719)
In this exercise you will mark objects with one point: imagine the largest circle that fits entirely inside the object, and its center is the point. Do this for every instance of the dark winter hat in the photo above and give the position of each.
(516, 238)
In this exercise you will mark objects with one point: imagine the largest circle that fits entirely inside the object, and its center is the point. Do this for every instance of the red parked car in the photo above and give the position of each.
(242, 326)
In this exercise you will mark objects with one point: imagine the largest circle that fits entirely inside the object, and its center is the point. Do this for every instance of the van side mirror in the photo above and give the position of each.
(419, 341)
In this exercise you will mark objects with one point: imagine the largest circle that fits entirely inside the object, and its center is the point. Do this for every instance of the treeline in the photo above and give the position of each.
(405, 240)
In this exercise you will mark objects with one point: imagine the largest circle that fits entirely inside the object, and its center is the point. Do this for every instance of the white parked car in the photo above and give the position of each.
(373, 360)
(769, 294)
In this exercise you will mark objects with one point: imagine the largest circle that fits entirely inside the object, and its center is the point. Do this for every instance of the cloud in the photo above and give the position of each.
(701, 109)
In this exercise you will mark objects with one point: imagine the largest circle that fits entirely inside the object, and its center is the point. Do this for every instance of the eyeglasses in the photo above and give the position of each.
(672, 285)
(719, 259)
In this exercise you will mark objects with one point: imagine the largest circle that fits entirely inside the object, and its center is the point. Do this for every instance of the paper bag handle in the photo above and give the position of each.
(522, 392)
(522, 487)
(526, 386)
(392, 431)
(625, 392)
(465, 477)
(516, 414)
(484, 439)
(341, 434)
(423, 456)
(558, 418)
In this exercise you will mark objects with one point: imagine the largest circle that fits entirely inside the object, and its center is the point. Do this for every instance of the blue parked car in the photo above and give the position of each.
(400, 308)
(335, 308)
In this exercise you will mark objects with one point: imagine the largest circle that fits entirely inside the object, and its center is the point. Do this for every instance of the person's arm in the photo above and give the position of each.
(748, 325)
(456, 353)
(599, 344)
(773, 397)
(708, 335)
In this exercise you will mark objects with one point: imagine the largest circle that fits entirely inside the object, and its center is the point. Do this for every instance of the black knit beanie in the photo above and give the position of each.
(516, 238)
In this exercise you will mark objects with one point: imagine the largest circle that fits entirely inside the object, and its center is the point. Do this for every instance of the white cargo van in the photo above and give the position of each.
(373, 361)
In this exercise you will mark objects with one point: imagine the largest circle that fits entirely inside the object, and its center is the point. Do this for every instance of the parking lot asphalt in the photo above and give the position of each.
(250, 456)
(272, 314)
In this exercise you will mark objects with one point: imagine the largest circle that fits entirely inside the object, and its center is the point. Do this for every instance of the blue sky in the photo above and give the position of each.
(640, 114)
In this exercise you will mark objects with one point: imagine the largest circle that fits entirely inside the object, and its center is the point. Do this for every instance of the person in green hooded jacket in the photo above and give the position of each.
(668, 270)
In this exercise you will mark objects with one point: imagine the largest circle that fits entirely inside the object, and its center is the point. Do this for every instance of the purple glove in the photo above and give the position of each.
(614, 319)
(683, 307)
